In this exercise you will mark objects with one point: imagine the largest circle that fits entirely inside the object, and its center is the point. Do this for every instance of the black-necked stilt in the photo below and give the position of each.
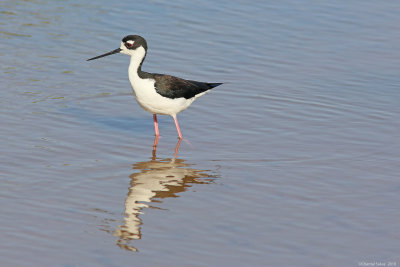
(158, 93)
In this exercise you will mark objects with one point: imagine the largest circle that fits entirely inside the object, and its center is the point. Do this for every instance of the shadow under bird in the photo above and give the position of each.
(158, 93)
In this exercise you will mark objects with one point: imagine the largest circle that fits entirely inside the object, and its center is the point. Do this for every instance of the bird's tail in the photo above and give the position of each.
(212, 85)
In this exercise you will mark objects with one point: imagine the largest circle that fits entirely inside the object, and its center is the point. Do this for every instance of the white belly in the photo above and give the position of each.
(146, 94)
(151, 101)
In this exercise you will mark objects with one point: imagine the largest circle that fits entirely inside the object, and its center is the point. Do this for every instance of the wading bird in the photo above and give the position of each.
(158, 93)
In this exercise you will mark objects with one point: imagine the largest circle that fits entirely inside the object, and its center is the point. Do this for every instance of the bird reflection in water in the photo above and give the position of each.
(157, 179)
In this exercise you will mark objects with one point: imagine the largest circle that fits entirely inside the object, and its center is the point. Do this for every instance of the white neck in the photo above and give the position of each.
(136, 59)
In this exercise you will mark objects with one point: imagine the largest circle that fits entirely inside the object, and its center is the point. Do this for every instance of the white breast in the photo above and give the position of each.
(147, 96)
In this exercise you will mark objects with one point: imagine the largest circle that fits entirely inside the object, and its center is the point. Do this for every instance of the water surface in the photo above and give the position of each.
(293, 161)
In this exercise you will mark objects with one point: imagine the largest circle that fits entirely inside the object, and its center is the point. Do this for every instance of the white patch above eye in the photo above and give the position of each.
(130, 42)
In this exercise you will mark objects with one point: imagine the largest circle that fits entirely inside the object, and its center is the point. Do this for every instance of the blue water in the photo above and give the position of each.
(294, 161)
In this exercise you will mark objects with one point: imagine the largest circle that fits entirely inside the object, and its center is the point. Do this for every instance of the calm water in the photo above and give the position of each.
(294, 161)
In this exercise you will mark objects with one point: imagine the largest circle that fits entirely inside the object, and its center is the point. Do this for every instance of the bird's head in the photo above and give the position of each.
(129, 45)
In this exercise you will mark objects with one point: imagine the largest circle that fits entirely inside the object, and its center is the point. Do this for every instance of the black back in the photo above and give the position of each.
(174, 87)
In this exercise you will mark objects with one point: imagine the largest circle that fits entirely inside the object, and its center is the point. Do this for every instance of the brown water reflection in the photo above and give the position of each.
(155, 180)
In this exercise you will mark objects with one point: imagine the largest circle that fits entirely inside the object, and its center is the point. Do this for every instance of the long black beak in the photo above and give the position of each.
(106, 54)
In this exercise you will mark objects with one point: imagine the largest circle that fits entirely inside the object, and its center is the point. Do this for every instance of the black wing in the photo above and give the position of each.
(174, 87)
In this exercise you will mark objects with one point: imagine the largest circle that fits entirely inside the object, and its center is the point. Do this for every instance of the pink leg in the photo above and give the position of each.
(177, 126)
(156, 125)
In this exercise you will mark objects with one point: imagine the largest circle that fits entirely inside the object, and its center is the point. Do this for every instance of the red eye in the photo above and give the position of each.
(128, 44)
